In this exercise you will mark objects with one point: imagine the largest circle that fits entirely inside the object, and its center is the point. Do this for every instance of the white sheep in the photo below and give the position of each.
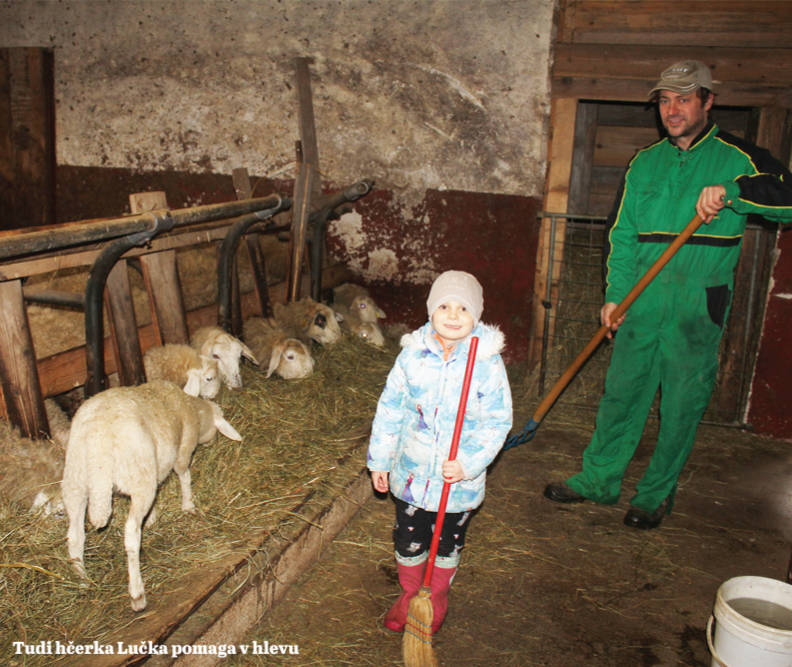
(218, 344)
(198, 374)
(128, 439)
(344, 293)
(32, 469)
(308, 320)
(368, 331)
(288, 357)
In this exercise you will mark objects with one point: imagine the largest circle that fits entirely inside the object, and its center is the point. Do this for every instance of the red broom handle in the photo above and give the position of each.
(460, 418)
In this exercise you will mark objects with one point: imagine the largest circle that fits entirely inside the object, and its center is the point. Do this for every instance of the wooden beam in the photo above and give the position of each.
(562, 119)
(759, 23)
(24, 404)
(749, 76)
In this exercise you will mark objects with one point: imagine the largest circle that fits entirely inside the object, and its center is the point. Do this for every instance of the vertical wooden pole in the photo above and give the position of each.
(562, 120)
(123, 326)
(258, 266)
(22, 397)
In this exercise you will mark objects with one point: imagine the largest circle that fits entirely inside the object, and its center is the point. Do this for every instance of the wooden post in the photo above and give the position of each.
(562, 120)
(258, 266)
(24, 404)
(123, 326)
(161, 277)
(27, 137)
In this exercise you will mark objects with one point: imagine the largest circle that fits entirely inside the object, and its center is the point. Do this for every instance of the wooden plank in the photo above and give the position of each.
(161, 278)
(760, 23)
(10, 270)
(66, 370)
(258, 265)
(562, 119)
(27, 137)
(582, 157)
(22, 395)
(749, 76)
(123, 326)
(615, 146)
(310, 148)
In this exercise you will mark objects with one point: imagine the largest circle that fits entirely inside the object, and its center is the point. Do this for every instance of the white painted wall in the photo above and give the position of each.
(417, 94)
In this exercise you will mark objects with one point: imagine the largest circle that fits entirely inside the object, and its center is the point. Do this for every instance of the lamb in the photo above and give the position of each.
(128, 439)
(218, 344)
(32, 469)
(196, 373)
(368, 331)
(288, 357)
(308, 320)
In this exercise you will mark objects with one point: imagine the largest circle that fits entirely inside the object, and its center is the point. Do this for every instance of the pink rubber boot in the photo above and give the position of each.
(440, 584)
(410, 578)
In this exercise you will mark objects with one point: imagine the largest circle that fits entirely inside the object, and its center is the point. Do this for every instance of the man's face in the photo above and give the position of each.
(683, 116)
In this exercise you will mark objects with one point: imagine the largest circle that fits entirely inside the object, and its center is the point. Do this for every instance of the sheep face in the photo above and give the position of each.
(370, 332)
(290, 359)
(366, 309)
(323, 326)
(204, 381)
(227, 352)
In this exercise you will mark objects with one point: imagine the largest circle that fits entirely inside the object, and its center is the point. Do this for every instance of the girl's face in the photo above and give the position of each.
(452, 322)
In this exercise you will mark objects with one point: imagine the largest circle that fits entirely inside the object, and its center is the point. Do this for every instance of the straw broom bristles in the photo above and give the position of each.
(417, 643)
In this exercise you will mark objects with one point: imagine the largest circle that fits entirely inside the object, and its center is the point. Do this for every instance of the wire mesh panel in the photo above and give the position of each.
(572, 308)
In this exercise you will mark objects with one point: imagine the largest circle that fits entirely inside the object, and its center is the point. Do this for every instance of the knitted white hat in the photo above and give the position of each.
(459, 286)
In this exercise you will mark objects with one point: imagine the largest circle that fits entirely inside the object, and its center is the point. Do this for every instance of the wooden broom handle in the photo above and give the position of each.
(633, 294)
(460, 418)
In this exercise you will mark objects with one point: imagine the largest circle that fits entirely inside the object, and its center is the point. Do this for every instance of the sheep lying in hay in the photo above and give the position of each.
(128, 439)
(287, 357)
(308, 320)
(369, 332)
(32, 469)
(183, 365)
(218, 344)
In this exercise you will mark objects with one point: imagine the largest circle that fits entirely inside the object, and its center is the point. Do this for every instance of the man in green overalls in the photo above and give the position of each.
(671, 334)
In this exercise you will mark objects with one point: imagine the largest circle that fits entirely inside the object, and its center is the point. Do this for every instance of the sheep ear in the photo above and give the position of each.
(275, 357)
(193, 386)
(338, 316)
(224, 427)
(248, 354)
(381, 313)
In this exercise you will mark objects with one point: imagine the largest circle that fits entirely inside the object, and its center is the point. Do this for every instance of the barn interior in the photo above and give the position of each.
(378, 144)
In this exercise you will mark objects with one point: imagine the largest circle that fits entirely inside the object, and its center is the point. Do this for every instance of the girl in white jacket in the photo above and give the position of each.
(413, 427)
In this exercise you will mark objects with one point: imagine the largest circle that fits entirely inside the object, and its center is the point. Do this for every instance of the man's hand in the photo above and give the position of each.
(379, 480)
(606, 317)
(711, 200)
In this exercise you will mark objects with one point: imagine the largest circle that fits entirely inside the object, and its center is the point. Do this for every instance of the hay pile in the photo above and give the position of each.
(302, 441)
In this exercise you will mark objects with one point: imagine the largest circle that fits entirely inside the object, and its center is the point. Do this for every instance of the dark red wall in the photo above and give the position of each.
(492, 236)
(769, 410)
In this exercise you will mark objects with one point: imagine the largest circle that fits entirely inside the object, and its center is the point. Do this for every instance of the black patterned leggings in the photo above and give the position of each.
(412, 535)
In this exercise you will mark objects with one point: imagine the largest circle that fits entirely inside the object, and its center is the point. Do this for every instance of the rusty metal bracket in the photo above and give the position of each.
(225, 264)
(96, 380)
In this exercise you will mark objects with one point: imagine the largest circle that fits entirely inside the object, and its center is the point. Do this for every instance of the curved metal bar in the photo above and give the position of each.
(225, 263)
(95, 380)
(318, 223)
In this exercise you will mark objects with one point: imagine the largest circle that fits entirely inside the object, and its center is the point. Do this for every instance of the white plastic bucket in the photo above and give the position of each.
(757, 630)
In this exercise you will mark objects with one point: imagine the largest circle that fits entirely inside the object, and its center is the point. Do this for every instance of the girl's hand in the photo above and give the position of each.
(380, 480)
(453, 472)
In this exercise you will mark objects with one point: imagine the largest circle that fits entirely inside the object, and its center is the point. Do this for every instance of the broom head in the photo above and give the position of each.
(417, 642)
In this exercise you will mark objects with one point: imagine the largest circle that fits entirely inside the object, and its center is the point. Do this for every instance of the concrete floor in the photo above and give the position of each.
(548, 584)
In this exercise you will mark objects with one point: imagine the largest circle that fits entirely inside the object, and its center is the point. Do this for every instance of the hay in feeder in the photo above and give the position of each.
(302, 441)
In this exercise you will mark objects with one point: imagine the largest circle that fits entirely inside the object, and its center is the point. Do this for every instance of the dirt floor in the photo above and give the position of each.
(548, 584)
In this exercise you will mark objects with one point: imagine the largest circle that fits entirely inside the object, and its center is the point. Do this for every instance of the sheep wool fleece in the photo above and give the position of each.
(671, 334)
(414, 422)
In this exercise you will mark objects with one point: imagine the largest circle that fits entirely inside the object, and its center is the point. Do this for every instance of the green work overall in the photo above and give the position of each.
(669, 340)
